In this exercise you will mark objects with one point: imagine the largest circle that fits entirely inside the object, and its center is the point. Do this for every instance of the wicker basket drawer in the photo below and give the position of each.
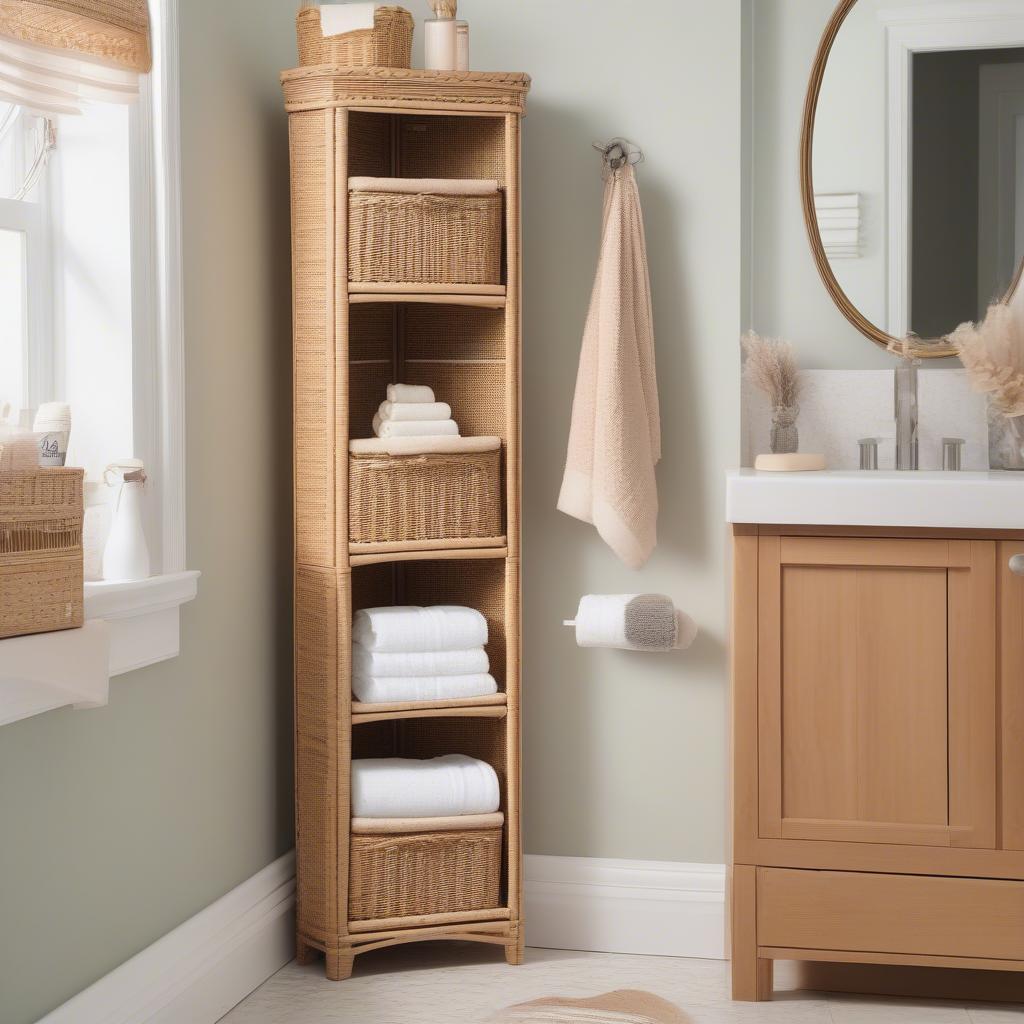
(425, 238)
(424, 497)
(398, 874)
(41, 567)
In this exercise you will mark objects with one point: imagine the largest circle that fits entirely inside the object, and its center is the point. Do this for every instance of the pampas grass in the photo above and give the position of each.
(444, 8)
(993, 356)
(771, 366)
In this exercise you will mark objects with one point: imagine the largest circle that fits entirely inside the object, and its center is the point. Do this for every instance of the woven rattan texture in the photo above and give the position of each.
(475, 391)
(368, 387)
(424, 497)
(453, 332)
(452, 147)
(371, 333)
(369, 144)
(426, 873)
(115, 31)
(430, 239)
(313, 344)
(387, 45)
(41, 567)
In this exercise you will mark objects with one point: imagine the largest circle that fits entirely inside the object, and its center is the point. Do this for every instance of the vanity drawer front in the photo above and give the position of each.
(908, 914)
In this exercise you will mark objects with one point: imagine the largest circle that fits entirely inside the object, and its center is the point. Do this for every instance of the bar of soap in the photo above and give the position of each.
(798, 462)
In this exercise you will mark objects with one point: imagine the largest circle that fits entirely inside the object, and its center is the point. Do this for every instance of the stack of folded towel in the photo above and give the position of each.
(442, 787)
(411, 411)
(404, 654)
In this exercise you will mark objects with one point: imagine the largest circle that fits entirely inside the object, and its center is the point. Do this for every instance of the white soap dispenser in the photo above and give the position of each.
(126, 555)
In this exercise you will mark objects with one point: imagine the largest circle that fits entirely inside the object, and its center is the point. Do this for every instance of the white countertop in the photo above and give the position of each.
(970, 501)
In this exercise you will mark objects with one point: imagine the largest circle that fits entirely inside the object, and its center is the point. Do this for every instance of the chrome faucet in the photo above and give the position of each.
(905, 407)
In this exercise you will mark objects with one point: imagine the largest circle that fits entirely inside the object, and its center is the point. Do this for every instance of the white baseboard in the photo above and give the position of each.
(621, 906)
(196, 973)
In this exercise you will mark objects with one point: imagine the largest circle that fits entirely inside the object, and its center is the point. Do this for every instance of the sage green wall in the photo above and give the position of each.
(119, 824)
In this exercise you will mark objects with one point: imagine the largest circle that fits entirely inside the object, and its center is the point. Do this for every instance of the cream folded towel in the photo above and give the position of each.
(410, 393)
(443, 787)
(426, 186)
(390, 690)
(473, 661)
(415, 428)
(399, 411)
(423, 445)
(403, 629)
(615, 438)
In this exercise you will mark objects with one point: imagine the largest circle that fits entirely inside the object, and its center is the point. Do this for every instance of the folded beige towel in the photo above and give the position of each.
(615, 438)
(414, 411)
(418, 393)
(426, 186)
(423, 445)
(414, 428)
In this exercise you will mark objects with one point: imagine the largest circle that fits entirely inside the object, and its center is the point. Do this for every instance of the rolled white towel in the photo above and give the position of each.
(470, 662)
(392, 690)
(404, 628)
(410, 393)
(396, 787)
(633, 622)
(404, 411)
(415, 428)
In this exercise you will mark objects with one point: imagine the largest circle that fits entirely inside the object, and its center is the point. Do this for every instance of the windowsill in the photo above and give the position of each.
(143, 617)
(128, 626)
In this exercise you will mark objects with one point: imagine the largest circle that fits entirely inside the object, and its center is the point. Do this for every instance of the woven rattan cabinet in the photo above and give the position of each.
(350, 341)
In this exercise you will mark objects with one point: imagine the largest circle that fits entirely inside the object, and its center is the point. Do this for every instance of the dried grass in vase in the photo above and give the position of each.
(771, 367)
(993, 356)
(444, 8)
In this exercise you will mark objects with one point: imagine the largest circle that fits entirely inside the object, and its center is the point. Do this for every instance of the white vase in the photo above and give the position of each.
(440, 44)
(126, 555)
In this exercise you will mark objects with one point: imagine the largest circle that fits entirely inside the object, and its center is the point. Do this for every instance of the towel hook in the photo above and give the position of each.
(619, 152)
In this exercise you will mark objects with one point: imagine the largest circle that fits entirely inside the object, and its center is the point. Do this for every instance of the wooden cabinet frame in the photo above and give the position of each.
(983, 838)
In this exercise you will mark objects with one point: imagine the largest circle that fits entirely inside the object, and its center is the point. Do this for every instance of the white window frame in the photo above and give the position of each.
(144, 617)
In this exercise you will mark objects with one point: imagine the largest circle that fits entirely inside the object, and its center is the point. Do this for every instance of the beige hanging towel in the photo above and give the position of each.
(615, 437)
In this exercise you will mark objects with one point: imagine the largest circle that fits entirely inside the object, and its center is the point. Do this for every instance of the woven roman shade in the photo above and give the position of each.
(55, 54)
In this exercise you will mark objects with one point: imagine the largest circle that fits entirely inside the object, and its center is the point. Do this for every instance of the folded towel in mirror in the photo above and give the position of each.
(401, 629)
(396, 787)
(472, 661)
(414, 411)
(410, 393)
(389, 690)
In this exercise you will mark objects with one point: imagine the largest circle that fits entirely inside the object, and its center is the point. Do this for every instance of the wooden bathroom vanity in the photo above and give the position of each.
(878, 716)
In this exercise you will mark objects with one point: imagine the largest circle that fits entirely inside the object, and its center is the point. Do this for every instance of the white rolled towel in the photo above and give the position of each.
(396, 787)
(470, 662)
(405, 628)
(403, 411)
(415, 428)
(634, 622)
(419, 393)
(391, 690)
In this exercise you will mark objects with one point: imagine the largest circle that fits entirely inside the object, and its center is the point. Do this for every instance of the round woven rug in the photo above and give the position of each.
(625, 1007)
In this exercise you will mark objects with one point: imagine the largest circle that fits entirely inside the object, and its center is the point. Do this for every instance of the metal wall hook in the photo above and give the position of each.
(619, 152)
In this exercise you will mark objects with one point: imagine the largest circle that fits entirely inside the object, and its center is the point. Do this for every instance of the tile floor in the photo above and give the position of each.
(446, 983)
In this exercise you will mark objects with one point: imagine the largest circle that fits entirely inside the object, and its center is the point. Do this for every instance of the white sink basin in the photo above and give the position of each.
(970, 501)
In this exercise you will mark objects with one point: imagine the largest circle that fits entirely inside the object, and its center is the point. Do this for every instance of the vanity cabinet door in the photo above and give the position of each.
(877, 690)
(1011, 668)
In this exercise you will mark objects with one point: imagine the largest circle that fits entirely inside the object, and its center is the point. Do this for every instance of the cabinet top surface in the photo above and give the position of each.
(969, 501)
(309, 88)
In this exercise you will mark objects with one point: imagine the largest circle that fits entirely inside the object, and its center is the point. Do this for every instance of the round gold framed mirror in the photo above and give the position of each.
(908, 185)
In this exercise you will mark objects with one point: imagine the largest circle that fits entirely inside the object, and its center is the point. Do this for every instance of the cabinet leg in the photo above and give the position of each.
(752, 976)
(514, 953)
(305, 954)
(339, 965)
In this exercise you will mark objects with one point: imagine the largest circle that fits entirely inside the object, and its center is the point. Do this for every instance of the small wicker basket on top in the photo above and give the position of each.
(387, 45)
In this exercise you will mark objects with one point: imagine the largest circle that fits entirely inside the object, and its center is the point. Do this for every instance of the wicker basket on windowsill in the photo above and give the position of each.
(41, 566)
(387, 45)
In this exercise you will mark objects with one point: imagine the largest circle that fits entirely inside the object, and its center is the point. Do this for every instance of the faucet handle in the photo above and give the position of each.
(868, 453)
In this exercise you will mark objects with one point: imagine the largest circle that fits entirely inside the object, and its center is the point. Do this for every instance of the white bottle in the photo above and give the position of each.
(126, 555)
(440, 44)
(53, 424)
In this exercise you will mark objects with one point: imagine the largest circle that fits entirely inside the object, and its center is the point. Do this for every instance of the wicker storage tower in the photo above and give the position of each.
(364, 885)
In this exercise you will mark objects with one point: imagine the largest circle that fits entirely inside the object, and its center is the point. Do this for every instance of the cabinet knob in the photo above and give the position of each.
(1017, 565)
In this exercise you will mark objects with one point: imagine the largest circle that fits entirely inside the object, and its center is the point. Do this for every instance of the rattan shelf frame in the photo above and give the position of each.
(325, 143)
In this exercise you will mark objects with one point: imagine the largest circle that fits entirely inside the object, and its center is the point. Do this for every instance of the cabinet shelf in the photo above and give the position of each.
(490, 706)
(428, 551)
(486, 296)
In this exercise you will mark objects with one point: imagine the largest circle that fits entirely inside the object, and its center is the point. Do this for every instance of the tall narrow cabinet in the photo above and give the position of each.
(350, 341)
